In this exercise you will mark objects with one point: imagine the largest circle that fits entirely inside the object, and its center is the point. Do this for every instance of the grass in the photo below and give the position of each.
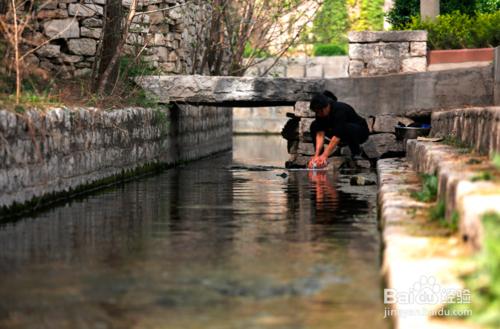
(455, 142)
(484, 281)
(42, 94)
(429, 189)
(482, 176)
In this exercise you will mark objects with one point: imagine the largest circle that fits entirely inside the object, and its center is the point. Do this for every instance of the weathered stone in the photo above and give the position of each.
(414, 64)
(49, 50)
(83, 46)
(62, 28)
(386, 143)
(83, 72)
(391, 36)
(231, 90)
(356, 51)
(314, 71)
(386, 123)
(92, 22)
(85, 10)
(296, 71)
(51, 14)
(418, 49)
(302, 110)
(356, 68)
(48, 5)
(91, 32)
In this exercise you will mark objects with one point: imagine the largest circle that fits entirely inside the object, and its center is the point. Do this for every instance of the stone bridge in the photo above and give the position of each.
(398, 94)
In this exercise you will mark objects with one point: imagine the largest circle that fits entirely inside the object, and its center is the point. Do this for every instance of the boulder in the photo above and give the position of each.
(62, 28)
(84, 46)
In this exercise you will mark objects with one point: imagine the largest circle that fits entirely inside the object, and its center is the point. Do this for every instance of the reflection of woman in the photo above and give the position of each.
(326, 193)
(337, 121)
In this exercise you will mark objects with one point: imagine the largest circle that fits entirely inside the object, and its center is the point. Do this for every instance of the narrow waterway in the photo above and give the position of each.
(217, 243)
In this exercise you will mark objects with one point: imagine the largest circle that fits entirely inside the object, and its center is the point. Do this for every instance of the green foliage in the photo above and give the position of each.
(482, 176)
(330, 49)
(487, 6)
(257, 53)
(131, 67)
(404, 10)
(372, 15)
(331, 23)
(457, 30)
(437, 213)
(496, 161)
(429, 189)
(485, 282)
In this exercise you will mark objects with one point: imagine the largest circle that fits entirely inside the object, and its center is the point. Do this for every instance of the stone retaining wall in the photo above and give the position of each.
(65, 150)
(74, 29)
(476, 127)
(379, 53)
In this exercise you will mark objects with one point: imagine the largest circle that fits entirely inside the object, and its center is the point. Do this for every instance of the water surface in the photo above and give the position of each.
(201, 246)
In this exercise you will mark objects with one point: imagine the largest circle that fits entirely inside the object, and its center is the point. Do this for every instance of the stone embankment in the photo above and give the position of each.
(468, 188)
(61, 152)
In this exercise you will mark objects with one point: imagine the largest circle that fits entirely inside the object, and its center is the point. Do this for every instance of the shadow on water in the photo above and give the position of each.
(207, 245)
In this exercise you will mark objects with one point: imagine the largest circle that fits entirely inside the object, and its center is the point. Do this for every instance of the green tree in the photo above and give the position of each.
(404, 10)
(331, 23)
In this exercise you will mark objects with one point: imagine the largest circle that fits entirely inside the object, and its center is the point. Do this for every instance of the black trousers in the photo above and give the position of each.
(354, 136)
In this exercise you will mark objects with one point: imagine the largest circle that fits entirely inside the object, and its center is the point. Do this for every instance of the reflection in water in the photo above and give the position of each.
(201, 246)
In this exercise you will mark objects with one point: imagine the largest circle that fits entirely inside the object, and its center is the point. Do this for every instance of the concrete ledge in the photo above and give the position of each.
(456, 171)
(414, 248)
(479, 128)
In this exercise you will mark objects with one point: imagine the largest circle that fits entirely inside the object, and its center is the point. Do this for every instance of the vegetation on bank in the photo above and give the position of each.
(404, 11)
(336, 17)
(461, 24)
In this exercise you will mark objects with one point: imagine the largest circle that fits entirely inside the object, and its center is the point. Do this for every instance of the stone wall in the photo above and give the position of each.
(74, 29)
(478, 128)
(379, 53)
(64, 150)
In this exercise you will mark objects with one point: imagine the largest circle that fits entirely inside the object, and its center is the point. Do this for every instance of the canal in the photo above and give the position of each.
(226, 242)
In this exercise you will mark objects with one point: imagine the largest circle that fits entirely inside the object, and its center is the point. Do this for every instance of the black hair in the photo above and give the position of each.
(321, 100)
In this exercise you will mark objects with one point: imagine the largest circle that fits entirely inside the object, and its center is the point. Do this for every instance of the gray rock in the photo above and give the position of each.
(62, 28)
(92, 22)
(91, 32)
(414, 64)
(361, 181)
(302, 110)
(386, 143)
(49, 51)
(418, 49)
(390, 36)
(230, 90)
(386, 123)
(82, 46)
(85, 10)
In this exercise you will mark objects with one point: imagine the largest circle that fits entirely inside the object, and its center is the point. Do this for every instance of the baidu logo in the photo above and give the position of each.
(427, 292)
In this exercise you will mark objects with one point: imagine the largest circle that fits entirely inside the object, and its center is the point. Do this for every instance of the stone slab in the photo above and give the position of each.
(390, 36)
(456, 169)
(414, 249)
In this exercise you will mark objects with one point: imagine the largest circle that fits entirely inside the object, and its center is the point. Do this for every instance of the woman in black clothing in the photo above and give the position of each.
(337, 121)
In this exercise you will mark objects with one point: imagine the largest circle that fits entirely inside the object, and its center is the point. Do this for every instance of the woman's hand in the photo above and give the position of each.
(318, 162)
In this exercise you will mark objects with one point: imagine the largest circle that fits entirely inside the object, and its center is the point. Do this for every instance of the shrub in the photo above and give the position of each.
(330, 49)
(403, 11)
(457, 30)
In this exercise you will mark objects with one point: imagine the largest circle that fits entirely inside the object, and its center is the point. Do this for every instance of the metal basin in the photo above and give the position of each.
(404, 133)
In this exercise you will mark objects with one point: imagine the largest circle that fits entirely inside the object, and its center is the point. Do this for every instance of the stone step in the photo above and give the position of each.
(418, 253)
(464, 186)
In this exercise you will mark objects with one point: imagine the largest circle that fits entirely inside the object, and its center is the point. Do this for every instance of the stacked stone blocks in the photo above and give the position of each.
(74, 30)
(380, 53)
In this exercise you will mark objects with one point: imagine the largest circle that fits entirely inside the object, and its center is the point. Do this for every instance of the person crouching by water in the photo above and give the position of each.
(340, 123)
